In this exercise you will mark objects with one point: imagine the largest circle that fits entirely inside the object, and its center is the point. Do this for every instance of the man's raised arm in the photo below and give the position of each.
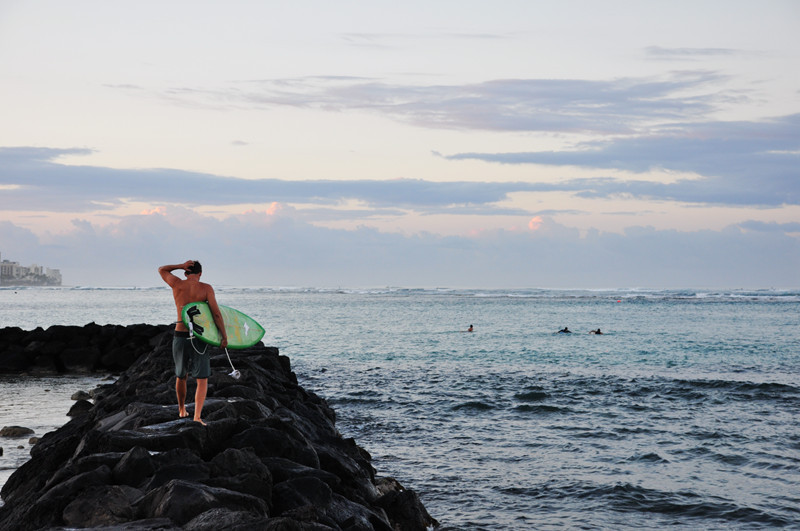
(166, 271)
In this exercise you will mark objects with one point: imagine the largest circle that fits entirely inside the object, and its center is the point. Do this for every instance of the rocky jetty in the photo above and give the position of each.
(75, 349)
(270, 457)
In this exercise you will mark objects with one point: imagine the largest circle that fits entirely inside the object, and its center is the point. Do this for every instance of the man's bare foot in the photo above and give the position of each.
(200, 421)
(182, 413)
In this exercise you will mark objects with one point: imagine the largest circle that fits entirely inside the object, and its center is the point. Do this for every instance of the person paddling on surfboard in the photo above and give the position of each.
(186, 291)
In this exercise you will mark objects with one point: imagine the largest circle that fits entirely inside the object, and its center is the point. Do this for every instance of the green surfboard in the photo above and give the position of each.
(242, 330)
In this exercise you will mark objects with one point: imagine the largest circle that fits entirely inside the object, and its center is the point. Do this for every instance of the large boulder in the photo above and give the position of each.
(15, 431)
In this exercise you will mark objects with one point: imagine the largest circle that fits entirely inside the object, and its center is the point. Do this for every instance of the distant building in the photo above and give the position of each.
(13, 274)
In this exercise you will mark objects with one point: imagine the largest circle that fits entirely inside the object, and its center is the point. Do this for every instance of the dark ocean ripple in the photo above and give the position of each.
(553, 432)
(578, 451)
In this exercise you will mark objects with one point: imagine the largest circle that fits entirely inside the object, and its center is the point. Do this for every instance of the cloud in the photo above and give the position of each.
(260, 248)
(739, 163)
(619, 106)
(635, 124)
(372, 41)
(681, 54)
(761, 226)
(535, 223)
(736, 163)
(16, 240)
(34, 181)
(123, 86)
(393, 41)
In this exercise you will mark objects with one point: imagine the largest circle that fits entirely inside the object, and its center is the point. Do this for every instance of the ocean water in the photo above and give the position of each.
(684, 413)
(36, 403)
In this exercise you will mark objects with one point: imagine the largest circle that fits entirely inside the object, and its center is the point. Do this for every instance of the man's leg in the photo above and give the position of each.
(180, 391)
(200, 398)
(179, 341)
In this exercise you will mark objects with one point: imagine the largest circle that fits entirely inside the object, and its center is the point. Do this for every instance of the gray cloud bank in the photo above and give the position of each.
(280, 248)
(35, 182)
(256, 249)
(739, 163)
(736, 169)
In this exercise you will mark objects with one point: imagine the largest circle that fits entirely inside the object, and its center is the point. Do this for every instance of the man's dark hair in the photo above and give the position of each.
(195, 269)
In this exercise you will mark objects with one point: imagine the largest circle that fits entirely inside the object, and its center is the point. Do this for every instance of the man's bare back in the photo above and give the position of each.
(188, 291)
(191, 290)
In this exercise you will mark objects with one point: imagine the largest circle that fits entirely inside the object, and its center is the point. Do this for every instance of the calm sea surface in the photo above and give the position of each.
(684, 413)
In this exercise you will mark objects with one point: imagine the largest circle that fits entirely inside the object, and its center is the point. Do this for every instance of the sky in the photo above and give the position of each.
(453, 143)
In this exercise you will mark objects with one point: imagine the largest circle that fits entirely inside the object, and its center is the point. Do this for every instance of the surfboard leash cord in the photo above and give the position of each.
(191, 338)
(236, 374)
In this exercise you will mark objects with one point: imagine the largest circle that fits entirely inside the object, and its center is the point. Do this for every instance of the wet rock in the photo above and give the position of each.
(283, 469)
(79, 408)
(134, 467)
(223, 518)
(43, 365)
(181, 501)
(35, 347)
(53, 347)
(242, 471)
(14, 360)
(102, 506)
(299, 492)
(79, 360)
(405, 509)
(15, 431)
(47, 509)
(271, 442)
(178, 465)
(80, 395)
(11, 335)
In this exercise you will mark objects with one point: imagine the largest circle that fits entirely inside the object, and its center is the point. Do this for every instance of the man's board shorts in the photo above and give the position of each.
(187, 359)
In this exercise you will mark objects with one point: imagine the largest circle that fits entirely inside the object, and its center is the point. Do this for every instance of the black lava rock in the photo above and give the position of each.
(75, 349)
(269, 458)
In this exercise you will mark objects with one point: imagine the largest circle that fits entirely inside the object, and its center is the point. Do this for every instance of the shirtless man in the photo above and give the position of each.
(183, 352)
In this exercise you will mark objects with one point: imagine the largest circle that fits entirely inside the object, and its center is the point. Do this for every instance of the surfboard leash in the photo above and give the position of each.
(236, 374)
(191, 313)
(191, 337)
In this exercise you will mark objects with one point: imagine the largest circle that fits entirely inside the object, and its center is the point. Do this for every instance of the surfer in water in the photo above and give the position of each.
(565, 331)
(186, 291)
